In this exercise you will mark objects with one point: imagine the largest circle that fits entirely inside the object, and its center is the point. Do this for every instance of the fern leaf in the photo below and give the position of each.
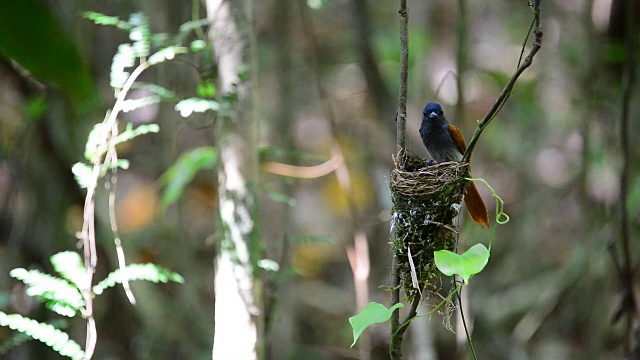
(57, 294)
(101, 19)
(167, 53)
(148, 272)
(123, 59)
(189, 106)
(140, 34)
(132, 104)
(163, 92)
(56, 339)
(69, 265)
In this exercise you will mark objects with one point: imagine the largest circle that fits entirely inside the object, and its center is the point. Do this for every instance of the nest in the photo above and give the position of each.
(426, 201)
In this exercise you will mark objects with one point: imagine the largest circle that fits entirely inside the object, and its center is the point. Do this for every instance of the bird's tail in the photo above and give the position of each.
(475, 205)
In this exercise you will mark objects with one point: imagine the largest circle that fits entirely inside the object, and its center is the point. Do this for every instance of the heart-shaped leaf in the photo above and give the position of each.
(465, 265)
(373, 313)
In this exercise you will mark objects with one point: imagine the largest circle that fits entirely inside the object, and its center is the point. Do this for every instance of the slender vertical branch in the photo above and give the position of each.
(404, 75)
(401, 125)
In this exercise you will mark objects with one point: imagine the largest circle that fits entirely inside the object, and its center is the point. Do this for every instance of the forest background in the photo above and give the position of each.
(323, 84)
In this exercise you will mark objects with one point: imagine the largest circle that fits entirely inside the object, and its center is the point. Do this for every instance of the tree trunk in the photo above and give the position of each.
(236, 309)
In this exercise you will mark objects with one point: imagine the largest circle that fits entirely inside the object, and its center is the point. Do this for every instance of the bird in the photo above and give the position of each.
(445, 143)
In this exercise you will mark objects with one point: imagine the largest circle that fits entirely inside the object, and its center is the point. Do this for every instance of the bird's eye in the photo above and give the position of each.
(439, 112)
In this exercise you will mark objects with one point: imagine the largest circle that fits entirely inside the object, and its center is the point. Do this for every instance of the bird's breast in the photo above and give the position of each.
(439, 143)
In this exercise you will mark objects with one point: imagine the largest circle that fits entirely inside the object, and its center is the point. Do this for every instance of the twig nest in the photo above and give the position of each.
(426, 200)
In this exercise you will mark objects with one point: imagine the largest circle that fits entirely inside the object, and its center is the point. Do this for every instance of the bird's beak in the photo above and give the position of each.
(433, 115)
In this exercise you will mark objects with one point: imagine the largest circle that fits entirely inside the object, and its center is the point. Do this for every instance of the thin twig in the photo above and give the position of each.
(88, 233)
(122, 263)
(464, 323)
(404, 76)
(401, 124)
(507, 91)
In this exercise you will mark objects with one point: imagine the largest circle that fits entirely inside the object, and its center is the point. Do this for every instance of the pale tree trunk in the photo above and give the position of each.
(236, 309)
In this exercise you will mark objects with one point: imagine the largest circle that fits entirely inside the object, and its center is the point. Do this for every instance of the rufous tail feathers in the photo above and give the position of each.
(475, 205)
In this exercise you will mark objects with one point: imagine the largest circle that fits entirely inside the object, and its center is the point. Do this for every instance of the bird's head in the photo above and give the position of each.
(432, 111)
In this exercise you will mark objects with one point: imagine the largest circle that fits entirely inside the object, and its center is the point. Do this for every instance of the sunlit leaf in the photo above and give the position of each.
(163, 92)
(69, 265)
(132, 104)
(373, 313)
(465, 265)
(57, 294)
(140, 34)
(83, 174)
(148, 272)
(165, 54)
(123, 59)
(268, 264)
(46, 333)
(189, 106)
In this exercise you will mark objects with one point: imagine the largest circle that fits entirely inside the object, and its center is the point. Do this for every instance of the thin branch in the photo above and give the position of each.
(404, 76)
(507, 91)
(88, 234)
(401, 125)
(122, 263)
(464, 323)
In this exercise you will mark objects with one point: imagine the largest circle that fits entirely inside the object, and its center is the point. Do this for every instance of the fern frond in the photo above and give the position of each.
(163, 92)
(69, 265)
(148, 272)
(102, 19)
(56, 339)
(132, 104)
(57, 294)
(140, 34)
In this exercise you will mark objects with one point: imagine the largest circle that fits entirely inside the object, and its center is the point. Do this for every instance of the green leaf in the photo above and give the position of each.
(182, 172)
(373, 313)
(124, 58)
(140, 34)
(465, 265)
(189, 106)
(69, 265)
(83, 174)
(163, 92)
(102, 19)
(46, 333)
(148, 272)
(32, 36)
(132, 104)
(206, 89)
(167, 53)
(131, 133)
(57, 294)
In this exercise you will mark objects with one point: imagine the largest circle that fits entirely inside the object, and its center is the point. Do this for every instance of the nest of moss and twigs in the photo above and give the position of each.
(426, 201)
